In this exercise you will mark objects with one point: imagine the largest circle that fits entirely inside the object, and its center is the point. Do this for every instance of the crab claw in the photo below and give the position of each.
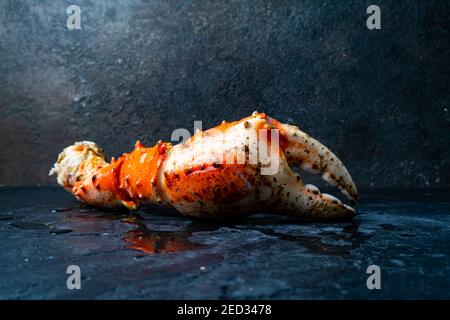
(310, 155)
(305, 200)
(201, 193)
(215, 174)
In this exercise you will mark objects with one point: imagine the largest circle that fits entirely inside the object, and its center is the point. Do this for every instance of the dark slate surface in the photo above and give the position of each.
(156, 253)
(139, 69)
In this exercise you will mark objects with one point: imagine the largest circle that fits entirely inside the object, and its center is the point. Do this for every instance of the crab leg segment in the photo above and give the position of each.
(128, 180)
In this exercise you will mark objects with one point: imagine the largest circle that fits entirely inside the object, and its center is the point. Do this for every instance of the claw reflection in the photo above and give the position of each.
(350, 236)
(151, 241)
(140, 238)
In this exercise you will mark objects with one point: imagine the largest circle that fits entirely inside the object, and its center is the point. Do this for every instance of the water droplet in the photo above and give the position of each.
(61, 209)
(59, 231)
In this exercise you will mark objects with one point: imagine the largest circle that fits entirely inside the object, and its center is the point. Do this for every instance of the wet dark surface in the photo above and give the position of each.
(157, 254)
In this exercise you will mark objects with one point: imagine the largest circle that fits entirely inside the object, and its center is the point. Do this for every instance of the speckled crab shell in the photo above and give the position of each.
(202, 176)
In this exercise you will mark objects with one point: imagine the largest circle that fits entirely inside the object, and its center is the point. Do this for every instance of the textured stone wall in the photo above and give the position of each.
(139, 69)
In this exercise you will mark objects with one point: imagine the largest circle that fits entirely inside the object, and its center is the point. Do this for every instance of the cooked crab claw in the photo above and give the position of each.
(305, 152)
(231, 170)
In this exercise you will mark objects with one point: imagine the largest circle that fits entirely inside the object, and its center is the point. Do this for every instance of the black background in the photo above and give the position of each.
(140, 69)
